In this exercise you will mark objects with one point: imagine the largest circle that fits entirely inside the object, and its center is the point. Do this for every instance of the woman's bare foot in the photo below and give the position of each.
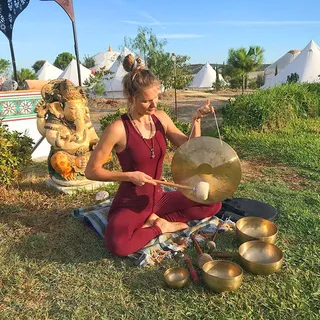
(167, 226)
(150, 220)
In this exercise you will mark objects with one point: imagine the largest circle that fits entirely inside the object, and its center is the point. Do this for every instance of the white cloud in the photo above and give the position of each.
(152, 19)
(155, 22)
(275, 23)
(180, 36)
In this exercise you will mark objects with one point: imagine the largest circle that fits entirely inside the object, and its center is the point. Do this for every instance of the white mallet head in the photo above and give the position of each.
(202, 190)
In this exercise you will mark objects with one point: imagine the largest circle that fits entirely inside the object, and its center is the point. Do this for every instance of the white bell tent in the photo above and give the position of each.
(105, 59)
(280, 64)
(48, 72)
(113, 82)
(204, 79)
(306, 65)
(71, 73)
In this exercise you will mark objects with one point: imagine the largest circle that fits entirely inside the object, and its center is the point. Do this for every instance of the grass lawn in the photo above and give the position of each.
(53, 267)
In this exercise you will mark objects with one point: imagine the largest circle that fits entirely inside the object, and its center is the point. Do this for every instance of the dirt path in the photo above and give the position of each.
(187, 102)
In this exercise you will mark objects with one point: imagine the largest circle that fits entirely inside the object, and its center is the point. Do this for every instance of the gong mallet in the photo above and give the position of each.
(192, 271)
(201, 190)
(211, 244)
(203, 257)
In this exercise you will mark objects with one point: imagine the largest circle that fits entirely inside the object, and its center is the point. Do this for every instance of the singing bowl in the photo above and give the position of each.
(260, 257)
(176, 277)
(255, 228)
(222, 275)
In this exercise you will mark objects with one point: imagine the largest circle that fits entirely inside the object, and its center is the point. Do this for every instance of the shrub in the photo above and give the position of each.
(111, 117)
(293, 78)
(15, 154)
(272, 108)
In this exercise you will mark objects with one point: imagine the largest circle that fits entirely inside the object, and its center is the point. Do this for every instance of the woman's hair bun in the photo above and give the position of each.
(128, 62)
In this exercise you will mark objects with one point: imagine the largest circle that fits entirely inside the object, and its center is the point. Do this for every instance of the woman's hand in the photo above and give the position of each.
(140, 178)
(203, 111)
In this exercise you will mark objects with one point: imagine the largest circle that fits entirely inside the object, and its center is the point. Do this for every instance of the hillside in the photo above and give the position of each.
(194, 68)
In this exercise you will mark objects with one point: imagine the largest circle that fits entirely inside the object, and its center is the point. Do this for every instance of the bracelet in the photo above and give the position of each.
(40, 117)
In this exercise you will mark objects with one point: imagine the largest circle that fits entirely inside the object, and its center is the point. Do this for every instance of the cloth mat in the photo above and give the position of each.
(95, 217)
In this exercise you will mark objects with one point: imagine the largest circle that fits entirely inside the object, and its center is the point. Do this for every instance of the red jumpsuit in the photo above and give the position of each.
(132, 204)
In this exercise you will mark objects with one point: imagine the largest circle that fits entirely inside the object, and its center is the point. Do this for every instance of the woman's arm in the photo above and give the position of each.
(177, 137)
(113, 135)
(110, 138)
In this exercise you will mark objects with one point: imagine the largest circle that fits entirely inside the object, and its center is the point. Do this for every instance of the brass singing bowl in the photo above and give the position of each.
(255, 228)
(176, 277)
(210, 160)
(222, 275)
(260, 257)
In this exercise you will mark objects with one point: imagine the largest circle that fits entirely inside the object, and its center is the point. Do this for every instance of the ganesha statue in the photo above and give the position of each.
(63, 119)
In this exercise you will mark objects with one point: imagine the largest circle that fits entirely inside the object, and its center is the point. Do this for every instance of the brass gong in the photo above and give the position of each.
(207, 159)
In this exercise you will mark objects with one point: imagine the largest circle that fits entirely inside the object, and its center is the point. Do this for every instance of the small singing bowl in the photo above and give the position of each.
(255, 228)
(260, 257)
(222, 275)
(176, 277)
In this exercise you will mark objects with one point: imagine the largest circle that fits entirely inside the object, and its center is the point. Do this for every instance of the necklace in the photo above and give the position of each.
(144, 140)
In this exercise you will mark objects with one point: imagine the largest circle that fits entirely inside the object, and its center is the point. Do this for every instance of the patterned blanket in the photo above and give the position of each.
(95, 217)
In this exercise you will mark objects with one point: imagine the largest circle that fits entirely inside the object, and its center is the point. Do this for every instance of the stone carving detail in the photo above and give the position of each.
(63, 119)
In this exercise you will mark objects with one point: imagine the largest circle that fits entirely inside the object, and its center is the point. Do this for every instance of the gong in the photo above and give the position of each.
(207, 159)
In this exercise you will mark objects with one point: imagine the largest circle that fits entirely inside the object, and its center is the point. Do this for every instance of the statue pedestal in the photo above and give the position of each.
(76, 186)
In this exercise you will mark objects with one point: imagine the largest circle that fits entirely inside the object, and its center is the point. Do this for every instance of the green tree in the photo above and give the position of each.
(183, 74)
(88, 61)
(151, 50)
(217, 84)
(25, 74)
(38, 65)
(4, 67)
(276, 71)
(63, 59)
(293, 78)
(242, 61)
(94, 84)
(146, 44)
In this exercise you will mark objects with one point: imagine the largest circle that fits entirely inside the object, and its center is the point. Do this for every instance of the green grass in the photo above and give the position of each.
(53, 267)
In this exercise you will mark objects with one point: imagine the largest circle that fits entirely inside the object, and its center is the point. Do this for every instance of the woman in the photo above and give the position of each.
(141, 210)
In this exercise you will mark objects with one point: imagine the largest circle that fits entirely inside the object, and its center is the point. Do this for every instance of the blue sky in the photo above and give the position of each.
(204, 30)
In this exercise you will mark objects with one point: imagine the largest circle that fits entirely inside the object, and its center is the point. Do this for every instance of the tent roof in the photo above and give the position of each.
(113, 83)
(306, 65)
(205, 77)
(71, 72)
(48, 72)
(105, 59)
(282, 62)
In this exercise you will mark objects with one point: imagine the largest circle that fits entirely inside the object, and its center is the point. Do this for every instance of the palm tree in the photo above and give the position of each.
(242, 61)
(25, 74)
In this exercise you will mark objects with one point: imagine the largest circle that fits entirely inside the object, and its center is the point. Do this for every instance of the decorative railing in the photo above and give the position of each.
(18, 104)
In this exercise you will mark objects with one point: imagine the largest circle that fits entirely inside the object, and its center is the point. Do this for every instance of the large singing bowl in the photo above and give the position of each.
(260, 257)
(255, 228)
(222, 275)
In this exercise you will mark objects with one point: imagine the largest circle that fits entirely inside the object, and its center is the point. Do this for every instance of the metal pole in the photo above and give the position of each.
(76, 51)
(175, 91)
(15, 75)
